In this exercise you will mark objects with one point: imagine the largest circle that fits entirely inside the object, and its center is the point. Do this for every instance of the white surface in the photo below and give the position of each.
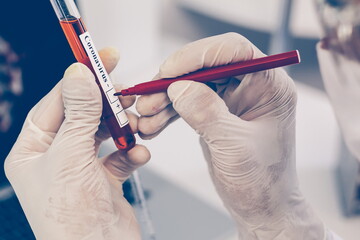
(262, 15)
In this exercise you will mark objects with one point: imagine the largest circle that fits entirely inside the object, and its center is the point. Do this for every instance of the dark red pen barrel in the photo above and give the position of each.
(216, 73)
(123, 136)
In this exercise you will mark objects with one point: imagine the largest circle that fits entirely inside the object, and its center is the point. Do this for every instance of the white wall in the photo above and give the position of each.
(130, 25)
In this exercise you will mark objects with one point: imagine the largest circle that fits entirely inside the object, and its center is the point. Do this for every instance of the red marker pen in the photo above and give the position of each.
(85, 52)
(215, 73)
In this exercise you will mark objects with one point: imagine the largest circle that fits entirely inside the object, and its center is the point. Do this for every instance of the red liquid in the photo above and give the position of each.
(123, 137)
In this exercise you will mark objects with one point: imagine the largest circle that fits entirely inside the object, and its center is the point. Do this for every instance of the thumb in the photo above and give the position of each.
(83, 107)
(81, 96)
(121, 164)
(200, 107)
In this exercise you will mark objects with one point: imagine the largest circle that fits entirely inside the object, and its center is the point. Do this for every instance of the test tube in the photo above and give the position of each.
(113, 113)
(85, 52)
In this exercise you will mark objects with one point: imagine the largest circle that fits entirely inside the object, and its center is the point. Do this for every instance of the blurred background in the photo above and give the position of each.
(182, 200)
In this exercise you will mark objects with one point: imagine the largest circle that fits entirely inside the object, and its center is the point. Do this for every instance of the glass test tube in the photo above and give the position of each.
(85, 52)
(113, 113)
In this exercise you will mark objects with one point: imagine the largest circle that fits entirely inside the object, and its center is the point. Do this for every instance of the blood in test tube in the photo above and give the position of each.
(114, 116)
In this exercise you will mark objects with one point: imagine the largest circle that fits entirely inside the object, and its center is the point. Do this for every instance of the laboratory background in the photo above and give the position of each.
(179, 193)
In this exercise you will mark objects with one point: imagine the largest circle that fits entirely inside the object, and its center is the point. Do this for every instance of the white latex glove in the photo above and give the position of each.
(65, 191)
(247, 133)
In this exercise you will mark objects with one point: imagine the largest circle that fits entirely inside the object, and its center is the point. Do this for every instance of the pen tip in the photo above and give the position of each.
(298, 55)
(117, 94)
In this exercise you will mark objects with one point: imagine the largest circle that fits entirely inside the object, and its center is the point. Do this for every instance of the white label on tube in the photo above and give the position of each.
(104, 79)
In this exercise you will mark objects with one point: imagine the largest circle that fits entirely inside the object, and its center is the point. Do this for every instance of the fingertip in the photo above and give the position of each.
(133, 121)
(79, 84)
(148, 134)
(126, 101)
(177, 89)
(147, 137)
(148, 105)
(110, 57)
(139, 155)
(81, 95)
(145, 125)
(78, 70)
(111, 53)
(197, 104)
(121, 164)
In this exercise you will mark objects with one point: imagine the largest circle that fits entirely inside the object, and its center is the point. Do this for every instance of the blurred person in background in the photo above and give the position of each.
(339, 58)
(246, 128)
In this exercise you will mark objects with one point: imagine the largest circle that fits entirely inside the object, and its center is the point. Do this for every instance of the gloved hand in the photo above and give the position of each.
(65, 191)
(247, 133)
